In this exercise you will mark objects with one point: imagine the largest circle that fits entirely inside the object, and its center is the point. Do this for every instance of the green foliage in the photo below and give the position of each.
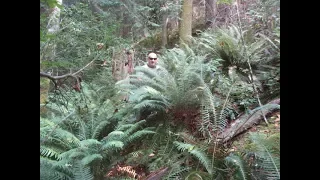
(211, 121)
(55, 139)
(197, 175)
(227, 44)
(177, 172)
(197, 153)
(113, 145)
(267, 152)
(84, 134)
(50, 170)
(76, 41)
(93, 113)
(89, 152)
(176, 89)
(82, 172)
(50, 3)
(225, 2)
(91, 158)
(242, 171)
(109, 3)
(259, 160)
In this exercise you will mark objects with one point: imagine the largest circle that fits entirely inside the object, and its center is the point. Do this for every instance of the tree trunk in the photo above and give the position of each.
(164, 31)
(94, 7)
(185, 28)
(49, 54)
(126, 22)
(211, 12)
(53, 27)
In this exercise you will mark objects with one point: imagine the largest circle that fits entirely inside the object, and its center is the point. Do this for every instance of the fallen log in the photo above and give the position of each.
(246, 121)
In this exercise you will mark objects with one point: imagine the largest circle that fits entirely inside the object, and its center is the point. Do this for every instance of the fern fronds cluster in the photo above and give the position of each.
(260, 160)
(242, 170)
(267, 155)
(197, 153)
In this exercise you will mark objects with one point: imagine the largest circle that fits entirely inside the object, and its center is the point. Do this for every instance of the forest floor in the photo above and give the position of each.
(241, 141)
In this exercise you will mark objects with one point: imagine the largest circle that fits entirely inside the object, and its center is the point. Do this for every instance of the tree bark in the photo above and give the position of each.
(211, 12)
(164, 31)
(95, 8)
(185, 29)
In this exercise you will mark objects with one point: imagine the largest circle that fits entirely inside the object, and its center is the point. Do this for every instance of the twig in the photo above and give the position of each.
(46, 138)
(215, 141)
(55, 78)
(250, 69)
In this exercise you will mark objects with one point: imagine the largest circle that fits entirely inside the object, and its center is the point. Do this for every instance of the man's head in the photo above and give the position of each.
(152, 60)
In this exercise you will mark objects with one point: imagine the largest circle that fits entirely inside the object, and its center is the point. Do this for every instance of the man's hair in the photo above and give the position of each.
(152, 55)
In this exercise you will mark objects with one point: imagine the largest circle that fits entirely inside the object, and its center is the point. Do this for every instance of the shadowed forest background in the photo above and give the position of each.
(214, 115)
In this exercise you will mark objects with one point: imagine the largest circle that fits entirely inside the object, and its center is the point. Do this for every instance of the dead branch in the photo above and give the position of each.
(73, 75)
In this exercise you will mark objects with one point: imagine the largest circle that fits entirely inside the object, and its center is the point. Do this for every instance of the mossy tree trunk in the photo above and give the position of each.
(185, 28)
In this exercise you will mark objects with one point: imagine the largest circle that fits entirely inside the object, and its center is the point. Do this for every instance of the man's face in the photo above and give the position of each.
(152, 62)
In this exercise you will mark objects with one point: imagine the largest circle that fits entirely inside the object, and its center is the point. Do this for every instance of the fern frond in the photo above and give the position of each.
(90, 142)
(209, 120)
(134, 127)
(138, 135)
(254, 49)
(224, 112)
(115, 135)
(204, 160)
(50, 152)
(156, 82)
(146, 71)
(124, 127)
(110, 145)
(147, 93)
(154, 104)
(270, 161)
(188, 138)
(61, 137)
(77, 154)
(82, 172)
(199, 175)
(177, 172)
(50, 170)
(91, 158)
(196, 152)
(183, 146)
(243, 170)
(98, 129)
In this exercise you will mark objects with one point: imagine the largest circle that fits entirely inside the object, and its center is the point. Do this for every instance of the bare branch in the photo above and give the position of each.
(73, 75)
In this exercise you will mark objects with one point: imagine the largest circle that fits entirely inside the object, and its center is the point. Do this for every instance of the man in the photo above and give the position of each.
(152, 64)
(152, 61)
